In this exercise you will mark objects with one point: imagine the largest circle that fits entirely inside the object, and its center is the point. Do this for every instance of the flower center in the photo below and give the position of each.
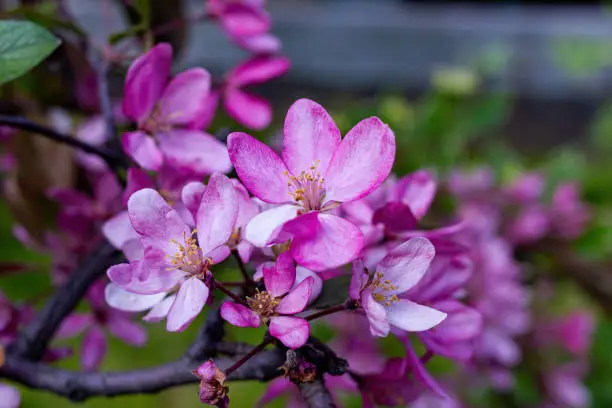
(189, 258)
(381, 288)
(263, 304)
(307, 189)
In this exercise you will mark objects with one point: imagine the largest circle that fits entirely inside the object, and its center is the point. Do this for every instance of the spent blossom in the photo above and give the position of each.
(213, 390)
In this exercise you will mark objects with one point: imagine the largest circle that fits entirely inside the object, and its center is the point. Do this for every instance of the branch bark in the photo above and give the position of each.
(32, 342)
(316, 395)
(113, 160)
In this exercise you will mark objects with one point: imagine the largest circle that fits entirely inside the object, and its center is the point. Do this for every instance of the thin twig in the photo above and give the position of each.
(113, 160)
(228, 292)
(256, 350)
(32, 342)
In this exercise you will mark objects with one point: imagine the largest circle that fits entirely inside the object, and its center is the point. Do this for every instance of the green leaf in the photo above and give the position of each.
(23, 45)
(335, 292)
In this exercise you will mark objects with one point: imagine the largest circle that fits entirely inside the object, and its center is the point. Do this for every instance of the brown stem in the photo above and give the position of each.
(325, 312)
(228, 292)
(248, 356)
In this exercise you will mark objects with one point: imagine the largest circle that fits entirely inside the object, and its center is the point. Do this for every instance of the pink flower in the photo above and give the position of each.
(568, 212)
(168, 115)
(246, 108)
(317, 173)
(276, 305)
(213, 390)
(172, 256)
(9, 396)
(399, 271)
(390, 387)
(92, 324)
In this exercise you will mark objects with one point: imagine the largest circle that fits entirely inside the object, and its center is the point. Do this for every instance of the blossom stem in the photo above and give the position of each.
(228, 292)
(325, 312)
(18, 122)
(248, 356)
(247, 278)
(426, 357)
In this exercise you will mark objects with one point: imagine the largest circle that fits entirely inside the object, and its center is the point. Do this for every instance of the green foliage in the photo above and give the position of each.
(23, 45)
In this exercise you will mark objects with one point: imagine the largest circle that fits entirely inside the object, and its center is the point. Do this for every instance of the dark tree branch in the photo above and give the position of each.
(114, 161)
(233, 349)
(208, 338)
(32, 342)
(78, 386)
(316, 395)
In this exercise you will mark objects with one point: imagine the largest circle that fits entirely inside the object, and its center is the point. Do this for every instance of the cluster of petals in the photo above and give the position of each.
(174, 255)
(319, 170)
(276, 305)
(169, 115)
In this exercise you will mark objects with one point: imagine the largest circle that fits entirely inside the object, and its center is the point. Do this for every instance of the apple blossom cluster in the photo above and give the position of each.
(322, 232)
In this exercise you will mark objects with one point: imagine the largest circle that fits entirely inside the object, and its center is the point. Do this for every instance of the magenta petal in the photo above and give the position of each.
(265, 43)
(336, 243)
(274, 390)
(156, 221)
(160, 310)
(411, 316)
(185, 98)
(73, 325)
(259, 69)
(143, 149)
(239, 315)
(302, 274)
(417, 191)
(293, 332)
(217, 213)
(247, 109)
(421, 373)
(396, 217)
(137, 179)
(362, 161)
(145, 82)
(304, 226)
(191, 196)
(265, 227)
(359, 279)
(280, 277)
(260, 169)
(376, 314)
(194, 150)
(297, 299)
(93, 349)
(129, 332)
(463, 322)
(158, 279)
(241, 20)
(310, 137)
(190, 300)
(118, 230)
(120, 299)
(406, 264)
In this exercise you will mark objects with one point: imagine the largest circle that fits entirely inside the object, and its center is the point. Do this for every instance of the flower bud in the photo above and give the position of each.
(213, 390)
(297, 369)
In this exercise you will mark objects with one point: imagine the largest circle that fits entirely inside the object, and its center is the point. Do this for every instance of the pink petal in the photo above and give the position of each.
(93, 349)
(242, 20)
(260, 169)
(137, 179)
(239, 315)
(258, 70)
(293, 332)
(417, 191)
(310, 137)
(280, 278)
(217, 213)
(194, 151)
(185, 98)
(145, 82)
(275, 389)
(305, 226)
(143, 149)
(118, 230)
(190, 300)
(121, 299)
(74, 325)
(249, 110)
(358, 279)
(265, 43)
(266, 226)
(10, 396)
(444, 278)
(396, 217)
(336, 243)
(157, 280)
(463, 322)
(207, 114)
(129, 332)
(376, 314)
(191, 196)
(362, 161)
(297, 299)
(157, 222)
(302, 274)
(406, 264)
(411, 316)
(421, 373)
(160, 310)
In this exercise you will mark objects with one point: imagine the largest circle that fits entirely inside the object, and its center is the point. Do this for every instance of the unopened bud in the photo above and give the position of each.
(213, 390)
